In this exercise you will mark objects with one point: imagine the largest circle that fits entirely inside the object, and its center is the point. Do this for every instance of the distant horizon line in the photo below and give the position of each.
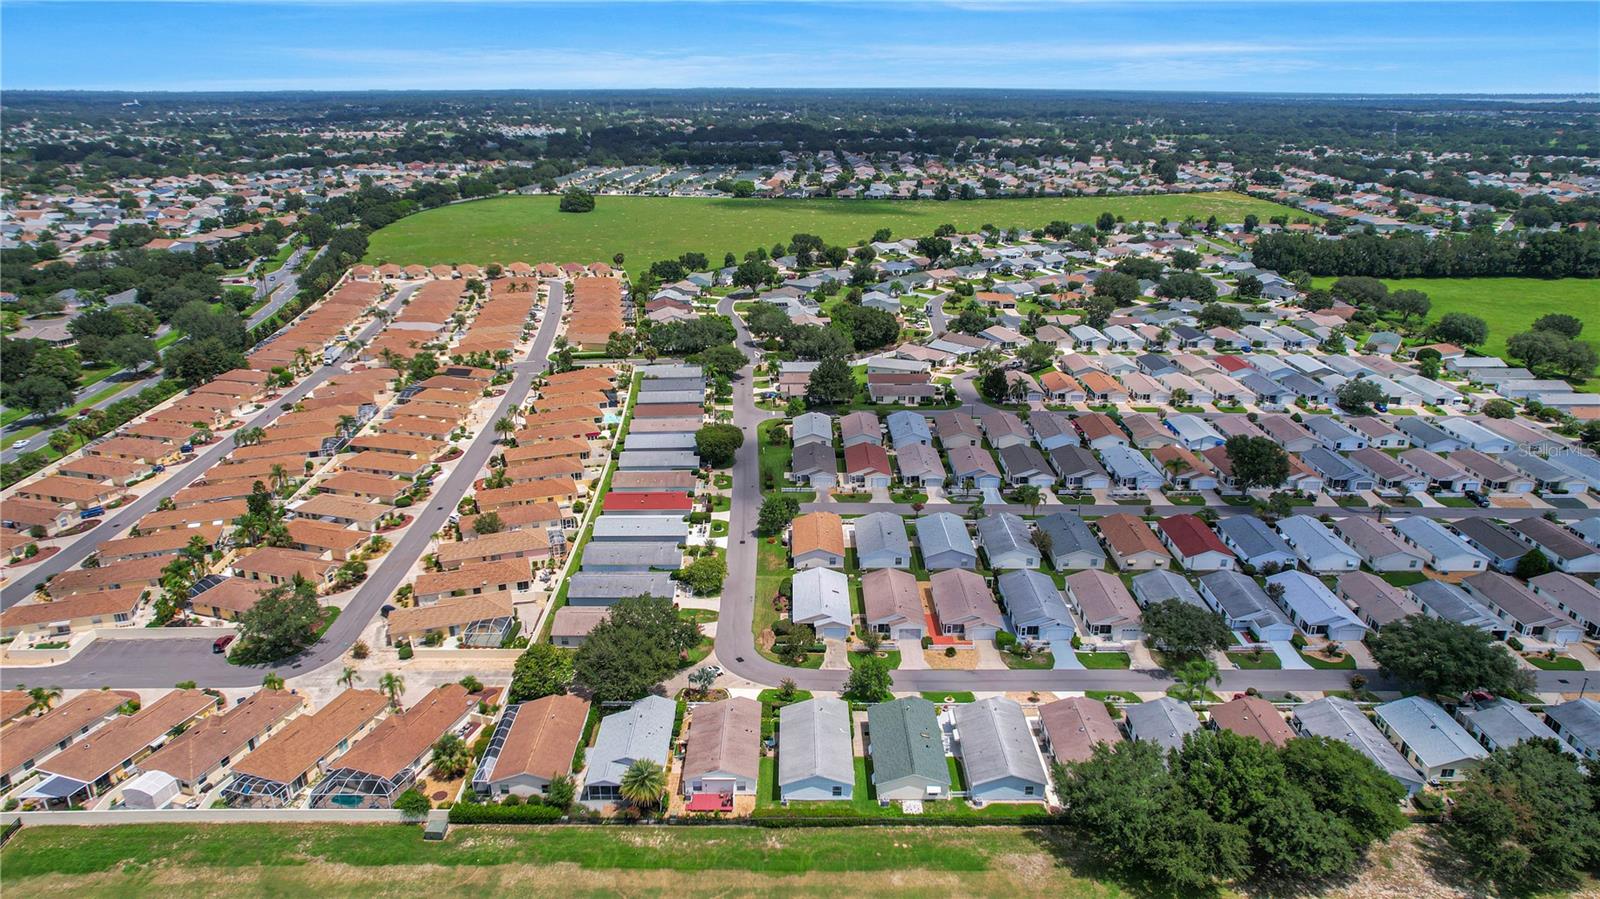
(1455, 95)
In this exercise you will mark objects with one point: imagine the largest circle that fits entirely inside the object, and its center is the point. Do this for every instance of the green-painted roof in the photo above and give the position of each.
(906, 741)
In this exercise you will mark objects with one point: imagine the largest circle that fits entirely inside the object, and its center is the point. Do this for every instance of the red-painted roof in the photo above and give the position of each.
(866, 457)
(1231, 363)
(1190, 535)
(648, 501)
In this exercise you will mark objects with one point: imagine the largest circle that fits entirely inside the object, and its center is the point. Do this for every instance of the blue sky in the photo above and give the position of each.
(1301, 45)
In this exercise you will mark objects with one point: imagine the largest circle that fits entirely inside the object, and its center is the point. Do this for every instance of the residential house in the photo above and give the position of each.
(1253, 717)
(1577, 724)
(1429, 739)
(1527, 614)
(1244, 605)
(1035, 608)
(998, 753)
(1007, 541)
(1131, 543)
(1164, 722)
(1378, 602)
(822, 600)
(816, 539)
(1445, 552)
(643, 731)
(1078, 469)
(1501, 724)
(1255, 542)
(1193, 543)
(1315, 610)
(1107, 609)
(1318, 548)
(815, 758)
(945, 543)
(1340, 719)
(1074, 726)
(892, 602)
(722, 756)
(973, 467)
(1069, 543)
(1494, 541)
(881, 541)
(963, 607)
(907, 749)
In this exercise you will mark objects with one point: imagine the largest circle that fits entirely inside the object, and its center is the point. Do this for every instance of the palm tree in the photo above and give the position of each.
(302, 359)
(41, 698)
(279, 475)
(702, 679)
(273, 681)
(1029, 495)
(1195, 674)
(392, 684)
(504, 427)
(644, 783)
(450, 756)
(348, 677)
(347, 424)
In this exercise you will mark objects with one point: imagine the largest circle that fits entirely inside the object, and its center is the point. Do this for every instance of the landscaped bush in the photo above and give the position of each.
(1004, 639)
(405, 651)
(927, 642)
(524, 813)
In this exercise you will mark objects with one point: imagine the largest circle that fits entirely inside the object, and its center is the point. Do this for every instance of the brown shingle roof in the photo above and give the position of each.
(1075, 725)
(457, 611)
(81, 605)
(467, 577)
(104, 750)
(1254, 717)
(308, 739)
(198, 750)
(724, 737)
(403, 738)
(30, 738)
(544, 738)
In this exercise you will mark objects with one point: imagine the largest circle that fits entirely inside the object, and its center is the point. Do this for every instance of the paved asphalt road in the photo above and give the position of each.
(75, 552)
(134, 383)
(283, 282)
(132, 663)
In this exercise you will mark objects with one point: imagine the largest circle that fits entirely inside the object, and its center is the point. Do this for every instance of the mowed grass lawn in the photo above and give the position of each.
(1508, 305)
(334, 859)
(645, 229)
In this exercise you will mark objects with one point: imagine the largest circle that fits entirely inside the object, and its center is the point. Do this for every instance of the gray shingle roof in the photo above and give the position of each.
(1069, 533)
(996, 742)
(1033, 600)
(814, 741)
(643, 731)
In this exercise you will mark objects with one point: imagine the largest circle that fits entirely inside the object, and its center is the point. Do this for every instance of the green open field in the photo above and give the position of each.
(175, 860)
(531, 229)
(1508, 305)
